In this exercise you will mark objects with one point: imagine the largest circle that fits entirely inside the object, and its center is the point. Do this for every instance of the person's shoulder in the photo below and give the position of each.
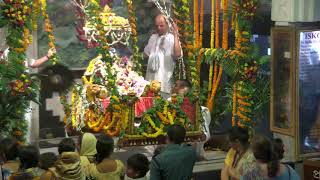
(154, 36)
(120, 165)
(231, 151)
(170, 35)
(188, 149)
(293, 173)
(187, 146)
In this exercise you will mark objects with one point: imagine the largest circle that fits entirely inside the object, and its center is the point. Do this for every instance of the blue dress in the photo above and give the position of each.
(289, 174)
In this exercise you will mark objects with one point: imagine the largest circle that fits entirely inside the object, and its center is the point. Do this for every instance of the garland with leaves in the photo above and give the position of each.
(17, 86)
(157, 119)
(248, 91)
(48, 28)
(181, 11)
(137, 56)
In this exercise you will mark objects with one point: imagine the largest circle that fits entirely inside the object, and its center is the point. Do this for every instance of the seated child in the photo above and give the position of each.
(137, 167)
(182, 87)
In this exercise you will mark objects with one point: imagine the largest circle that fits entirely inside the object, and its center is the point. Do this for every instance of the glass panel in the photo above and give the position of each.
(309, 92)
(281, 79)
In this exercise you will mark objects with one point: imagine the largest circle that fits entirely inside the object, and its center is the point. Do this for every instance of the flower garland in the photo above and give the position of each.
(201, 22)
(211, 44)
(225, 25)
(214, 83)
(137, 56)
(35, 15)
(163, 114)
(181, 12)
(196, 23)
(217, 38)
(159, 130)
(18, 87)
(16, 12)
(49, 30)
(234, 104)
(218, 75)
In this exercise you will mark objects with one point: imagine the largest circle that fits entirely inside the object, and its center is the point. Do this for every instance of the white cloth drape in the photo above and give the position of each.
(161, 48)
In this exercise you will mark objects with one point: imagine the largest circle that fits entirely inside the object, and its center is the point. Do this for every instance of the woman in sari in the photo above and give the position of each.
(239, 159)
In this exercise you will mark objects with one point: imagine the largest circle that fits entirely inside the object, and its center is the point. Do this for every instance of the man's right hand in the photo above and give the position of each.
(51, 52)
(175, 29)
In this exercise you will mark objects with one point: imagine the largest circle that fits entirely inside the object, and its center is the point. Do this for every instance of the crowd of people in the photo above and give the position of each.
(257, 158)
(90, 158)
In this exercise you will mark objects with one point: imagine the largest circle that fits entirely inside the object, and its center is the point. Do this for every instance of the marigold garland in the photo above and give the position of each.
(225, 25)
(240, 101)
(217, 38)
(35, 15)
(234, 104)
(212, 38)
(201, 22)
(137, 57)
(196, 23)
(49, 30)
(214, 90)
(212, 23)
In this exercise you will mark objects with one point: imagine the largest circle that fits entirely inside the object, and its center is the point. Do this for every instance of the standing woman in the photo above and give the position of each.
(239, 159)
(268, 162)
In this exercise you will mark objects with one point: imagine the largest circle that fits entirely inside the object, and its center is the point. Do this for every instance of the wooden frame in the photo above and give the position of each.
(300, 155)
(291, 129)
(294, 123)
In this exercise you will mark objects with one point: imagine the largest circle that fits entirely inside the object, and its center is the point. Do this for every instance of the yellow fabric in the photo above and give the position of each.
(85, 164)
(88, 145)
(229, 158)
(245, 164)
(115, 175)
(68, 167)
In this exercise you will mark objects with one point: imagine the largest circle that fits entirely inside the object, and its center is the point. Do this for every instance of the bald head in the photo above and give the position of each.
(161, 24)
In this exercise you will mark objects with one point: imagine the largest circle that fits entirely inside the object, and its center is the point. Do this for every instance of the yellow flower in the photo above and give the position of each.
(115, 98)
(245, 33)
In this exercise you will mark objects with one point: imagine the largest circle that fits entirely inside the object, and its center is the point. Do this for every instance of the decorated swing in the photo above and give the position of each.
(115, 99)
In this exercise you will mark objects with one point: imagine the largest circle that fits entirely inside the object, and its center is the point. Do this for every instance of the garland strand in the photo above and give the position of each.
(234, 104)
(201, 22)
(137, 56)
(196, 23)
(49, 30)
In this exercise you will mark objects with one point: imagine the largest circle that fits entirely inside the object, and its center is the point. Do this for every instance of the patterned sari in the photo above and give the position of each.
(242, 163)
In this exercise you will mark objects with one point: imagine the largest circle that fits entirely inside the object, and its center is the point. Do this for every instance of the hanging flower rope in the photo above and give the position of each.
(18, 87)
(201, 22)
(196, 23)
(137, 56)
(217, 70)
(49, 30)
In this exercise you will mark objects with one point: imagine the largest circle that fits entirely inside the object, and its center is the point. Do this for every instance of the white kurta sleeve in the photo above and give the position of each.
(151, 43)
(29, 62)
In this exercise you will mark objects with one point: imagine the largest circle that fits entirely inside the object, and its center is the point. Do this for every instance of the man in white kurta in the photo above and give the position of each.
(162, 50)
